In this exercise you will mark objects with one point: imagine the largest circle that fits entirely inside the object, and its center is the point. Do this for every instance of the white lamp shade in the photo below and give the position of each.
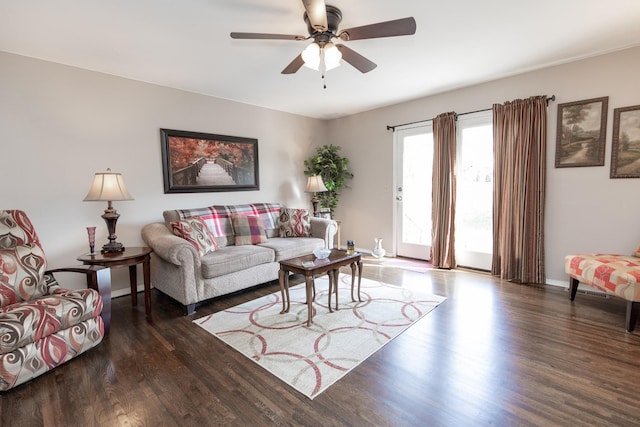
(107, 186)
(311, 56)
(315, 184)
(332, 56)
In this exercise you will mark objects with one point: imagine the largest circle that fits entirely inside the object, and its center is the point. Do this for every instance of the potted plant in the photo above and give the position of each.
(334, 170)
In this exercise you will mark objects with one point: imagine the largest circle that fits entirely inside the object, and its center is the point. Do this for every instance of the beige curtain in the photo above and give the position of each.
(444, 191)
(520, 139)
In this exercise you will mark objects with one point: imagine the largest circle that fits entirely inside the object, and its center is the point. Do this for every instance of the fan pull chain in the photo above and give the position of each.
(323, 68)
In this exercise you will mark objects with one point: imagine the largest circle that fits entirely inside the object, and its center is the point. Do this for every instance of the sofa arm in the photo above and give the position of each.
(168, 246)
(325, 229)
(98, 278)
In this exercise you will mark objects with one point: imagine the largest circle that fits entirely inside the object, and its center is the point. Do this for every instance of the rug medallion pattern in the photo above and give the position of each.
(310, 359)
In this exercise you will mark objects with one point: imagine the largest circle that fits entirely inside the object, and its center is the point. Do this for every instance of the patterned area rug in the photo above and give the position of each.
(310, 359)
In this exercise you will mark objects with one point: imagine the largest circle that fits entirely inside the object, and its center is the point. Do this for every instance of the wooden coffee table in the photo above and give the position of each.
(310, 267)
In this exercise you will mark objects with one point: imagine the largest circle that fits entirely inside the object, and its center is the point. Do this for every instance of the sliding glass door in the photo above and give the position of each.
(474, 200)
(414, 163)
(474, 191)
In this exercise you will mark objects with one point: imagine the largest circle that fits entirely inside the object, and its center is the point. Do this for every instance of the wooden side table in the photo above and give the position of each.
(130, 257)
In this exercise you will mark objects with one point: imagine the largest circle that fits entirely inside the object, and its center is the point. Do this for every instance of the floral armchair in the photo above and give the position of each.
(41, 324)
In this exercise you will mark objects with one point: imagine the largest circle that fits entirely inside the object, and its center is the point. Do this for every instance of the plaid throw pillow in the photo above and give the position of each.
(248, 229)
(218, 217)
(295, 223)
(195, 231)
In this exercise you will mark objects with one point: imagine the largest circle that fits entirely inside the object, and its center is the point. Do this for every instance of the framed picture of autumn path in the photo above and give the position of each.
(194, 162)
(581, 132)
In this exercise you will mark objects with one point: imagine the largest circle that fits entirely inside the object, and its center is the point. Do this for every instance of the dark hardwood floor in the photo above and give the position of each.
(495, 353)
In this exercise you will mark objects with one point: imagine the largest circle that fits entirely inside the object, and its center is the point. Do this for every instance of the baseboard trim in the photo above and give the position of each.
(582, 289)
(125, 291)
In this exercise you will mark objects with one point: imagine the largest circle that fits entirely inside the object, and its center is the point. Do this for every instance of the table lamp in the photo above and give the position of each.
(109, 187)
(315, 185)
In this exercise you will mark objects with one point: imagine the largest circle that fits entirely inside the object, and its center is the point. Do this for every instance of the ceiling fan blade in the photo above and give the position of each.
(294, 66)
(397, 27)
(358, 61)
(264, 36)
(317, 14)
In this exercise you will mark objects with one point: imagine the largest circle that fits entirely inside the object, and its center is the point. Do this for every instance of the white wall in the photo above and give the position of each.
(60, 125)
(585, 210)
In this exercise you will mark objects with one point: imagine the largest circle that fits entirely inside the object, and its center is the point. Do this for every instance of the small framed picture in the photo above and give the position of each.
(324, 213)
(580, 137)
(625, 149)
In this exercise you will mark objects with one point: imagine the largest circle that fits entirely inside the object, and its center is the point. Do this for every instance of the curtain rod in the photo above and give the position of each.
(393, 127)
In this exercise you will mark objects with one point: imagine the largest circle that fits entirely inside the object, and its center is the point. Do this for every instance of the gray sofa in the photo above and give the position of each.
(180, 272)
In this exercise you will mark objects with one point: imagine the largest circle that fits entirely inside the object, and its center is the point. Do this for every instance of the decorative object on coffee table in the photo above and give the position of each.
(322, 253)
(351, 247)
(109, 187)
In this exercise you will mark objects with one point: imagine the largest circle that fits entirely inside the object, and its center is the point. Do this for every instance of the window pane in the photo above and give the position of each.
(474, 203)
(416, 191)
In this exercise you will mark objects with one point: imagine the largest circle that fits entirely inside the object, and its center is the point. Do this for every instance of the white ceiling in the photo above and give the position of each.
(185, 44)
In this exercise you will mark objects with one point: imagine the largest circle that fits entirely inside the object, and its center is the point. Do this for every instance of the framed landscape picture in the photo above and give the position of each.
(194, 162)
(580, 137)
(625, 149)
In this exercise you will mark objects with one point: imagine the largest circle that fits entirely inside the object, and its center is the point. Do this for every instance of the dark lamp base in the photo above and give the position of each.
(110, 217)
(112, 247)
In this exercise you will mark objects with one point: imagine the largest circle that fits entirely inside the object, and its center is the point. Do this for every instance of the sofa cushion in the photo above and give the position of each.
(286, 248)
(230, 259)
(636, 252)
(30, 321)
(294, 223)
(218, 218)
(248, 230)
(196, 232)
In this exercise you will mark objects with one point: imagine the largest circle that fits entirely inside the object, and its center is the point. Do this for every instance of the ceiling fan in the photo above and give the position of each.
(322, 23)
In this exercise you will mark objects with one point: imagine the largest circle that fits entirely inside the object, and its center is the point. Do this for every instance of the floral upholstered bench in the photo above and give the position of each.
(617, 275)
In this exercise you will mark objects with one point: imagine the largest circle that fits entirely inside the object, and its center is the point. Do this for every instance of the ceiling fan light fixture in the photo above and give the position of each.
(311, 56)
(314, 56)
(323, 23)
(332, 56)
